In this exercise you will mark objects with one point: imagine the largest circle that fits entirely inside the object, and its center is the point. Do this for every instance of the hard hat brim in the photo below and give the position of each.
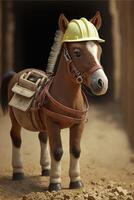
(84, 39)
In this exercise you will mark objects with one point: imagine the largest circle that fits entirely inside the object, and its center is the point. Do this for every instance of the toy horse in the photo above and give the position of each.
(49, 102)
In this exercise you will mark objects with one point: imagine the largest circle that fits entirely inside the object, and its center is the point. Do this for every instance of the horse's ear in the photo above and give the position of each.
(97, 20)
(63, 23)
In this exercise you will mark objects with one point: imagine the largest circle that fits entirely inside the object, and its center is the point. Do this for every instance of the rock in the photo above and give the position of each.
(85, 196)
(78, 197)
(121, 191)
(93, 182)
(67, 196)
(91, 197)
(96, 192)
(109, 186)
(111, 194)
(113, 198)
(129, 198)
(24, 197)
(116, 193)
(103, 179)
(84, 191)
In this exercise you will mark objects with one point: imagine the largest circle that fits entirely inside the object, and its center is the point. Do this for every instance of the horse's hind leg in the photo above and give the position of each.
(44, 154)
(15, 133)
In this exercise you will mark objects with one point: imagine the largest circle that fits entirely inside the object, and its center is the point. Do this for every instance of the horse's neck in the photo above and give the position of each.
(64, 89)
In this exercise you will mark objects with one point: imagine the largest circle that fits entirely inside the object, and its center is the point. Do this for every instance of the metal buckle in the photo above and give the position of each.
(79, 79)
(66, 55)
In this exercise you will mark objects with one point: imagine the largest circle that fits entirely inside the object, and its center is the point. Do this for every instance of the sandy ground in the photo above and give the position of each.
(105, 155)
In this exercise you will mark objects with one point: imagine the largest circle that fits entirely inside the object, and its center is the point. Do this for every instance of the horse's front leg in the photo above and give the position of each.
(56, 153)
(44, 154)
(75, 150)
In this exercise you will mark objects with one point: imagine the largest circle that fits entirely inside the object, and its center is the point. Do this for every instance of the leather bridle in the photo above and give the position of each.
(78, 76)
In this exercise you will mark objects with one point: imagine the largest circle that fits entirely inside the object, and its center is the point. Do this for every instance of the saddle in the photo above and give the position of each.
(27, 89)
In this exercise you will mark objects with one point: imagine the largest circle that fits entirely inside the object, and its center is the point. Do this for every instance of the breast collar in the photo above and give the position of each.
(77, 115)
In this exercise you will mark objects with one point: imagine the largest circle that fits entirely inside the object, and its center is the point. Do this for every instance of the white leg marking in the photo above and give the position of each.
(44, 157)
(55, 175)
(74, 170)
(16, 160)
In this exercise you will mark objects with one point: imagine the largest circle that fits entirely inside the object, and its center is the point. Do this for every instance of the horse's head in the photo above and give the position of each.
(83, 51)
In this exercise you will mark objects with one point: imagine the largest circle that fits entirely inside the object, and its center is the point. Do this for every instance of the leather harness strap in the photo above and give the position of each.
(65, 118)
(78, 115)
(63, 107)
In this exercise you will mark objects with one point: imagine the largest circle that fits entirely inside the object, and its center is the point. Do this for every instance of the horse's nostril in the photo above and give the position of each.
(100, 84)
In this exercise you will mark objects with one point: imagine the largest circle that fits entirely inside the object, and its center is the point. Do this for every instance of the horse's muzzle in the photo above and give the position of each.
(98, 82)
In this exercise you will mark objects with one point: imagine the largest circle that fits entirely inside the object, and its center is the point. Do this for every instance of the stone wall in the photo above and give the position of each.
(6, 37)
(126, 15)
(123, 38)
(0, 40)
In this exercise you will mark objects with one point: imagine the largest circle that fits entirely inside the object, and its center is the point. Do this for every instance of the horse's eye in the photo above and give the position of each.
(77, 52)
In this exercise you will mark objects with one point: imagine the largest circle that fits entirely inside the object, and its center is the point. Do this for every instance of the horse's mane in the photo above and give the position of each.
(55, 51)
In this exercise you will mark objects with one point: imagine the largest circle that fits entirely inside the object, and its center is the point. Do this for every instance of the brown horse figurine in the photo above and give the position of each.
(74, 61)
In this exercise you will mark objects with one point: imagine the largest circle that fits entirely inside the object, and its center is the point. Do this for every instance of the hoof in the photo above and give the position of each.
(54, 187)
(46, 172)
(18, 176)
(76, 185)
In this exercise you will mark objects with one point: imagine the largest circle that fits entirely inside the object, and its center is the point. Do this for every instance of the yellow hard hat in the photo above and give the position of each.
(81, 30)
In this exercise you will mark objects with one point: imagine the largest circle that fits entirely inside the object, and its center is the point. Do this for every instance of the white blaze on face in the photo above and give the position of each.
(93, 49)
(98, 74)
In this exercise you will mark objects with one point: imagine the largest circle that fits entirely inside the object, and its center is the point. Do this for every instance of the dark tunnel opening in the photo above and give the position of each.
(36, 23)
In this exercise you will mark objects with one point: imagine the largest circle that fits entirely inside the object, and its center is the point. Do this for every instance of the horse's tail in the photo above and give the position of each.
(4, 90)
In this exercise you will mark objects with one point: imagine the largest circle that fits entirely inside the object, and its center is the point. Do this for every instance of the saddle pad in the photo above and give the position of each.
(21, 102)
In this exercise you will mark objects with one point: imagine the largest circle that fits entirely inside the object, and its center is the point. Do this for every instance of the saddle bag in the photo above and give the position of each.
(27, 89)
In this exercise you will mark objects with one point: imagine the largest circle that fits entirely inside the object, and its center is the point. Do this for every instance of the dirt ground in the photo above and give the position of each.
(105, 160)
